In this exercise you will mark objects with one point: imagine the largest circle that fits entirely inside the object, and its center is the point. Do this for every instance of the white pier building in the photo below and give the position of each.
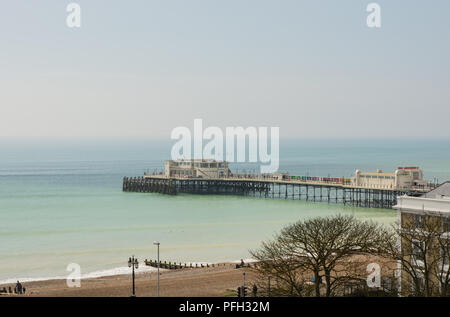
(196, 168)
(402, 178)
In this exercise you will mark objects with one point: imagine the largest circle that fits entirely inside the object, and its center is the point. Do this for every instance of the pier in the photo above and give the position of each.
(149, 185)
(268, 187)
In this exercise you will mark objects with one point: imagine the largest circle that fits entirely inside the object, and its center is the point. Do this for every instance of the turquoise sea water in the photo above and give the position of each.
(61, 202)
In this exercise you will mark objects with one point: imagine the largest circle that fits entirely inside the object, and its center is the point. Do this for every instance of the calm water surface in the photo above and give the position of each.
(61, 202)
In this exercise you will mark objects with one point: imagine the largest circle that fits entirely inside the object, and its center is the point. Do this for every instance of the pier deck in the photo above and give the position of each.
(316, 191)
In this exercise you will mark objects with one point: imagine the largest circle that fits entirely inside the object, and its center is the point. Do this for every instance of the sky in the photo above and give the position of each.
(141, 68)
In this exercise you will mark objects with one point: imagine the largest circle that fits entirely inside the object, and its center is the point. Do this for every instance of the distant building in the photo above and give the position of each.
(195, 168)
(431, 210)
(403, 178)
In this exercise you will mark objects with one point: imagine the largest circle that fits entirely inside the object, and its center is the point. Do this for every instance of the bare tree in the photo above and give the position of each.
(319, 246)
(442, 272)
(287, 274)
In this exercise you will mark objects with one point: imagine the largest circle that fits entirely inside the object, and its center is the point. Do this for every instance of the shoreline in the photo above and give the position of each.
(220, 280)
(117, 271)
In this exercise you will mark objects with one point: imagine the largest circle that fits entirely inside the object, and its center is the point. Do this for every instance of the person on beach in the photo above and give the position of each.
(18, 289)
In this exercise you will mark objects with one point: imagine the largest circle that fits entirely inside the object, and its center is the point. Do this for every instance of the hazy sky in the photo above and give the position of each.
(141, 68)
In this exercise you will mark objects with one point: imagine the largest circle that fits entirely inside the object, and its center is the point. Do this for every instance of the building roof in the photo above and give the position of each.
(438, 192)
(377, 173)
(438, 206)
(435, 201)
(197, 160)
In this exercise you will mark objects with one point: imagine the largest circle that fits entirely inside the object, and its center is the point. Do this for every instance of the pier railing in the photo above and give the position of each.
(300, 179)
(315, 191)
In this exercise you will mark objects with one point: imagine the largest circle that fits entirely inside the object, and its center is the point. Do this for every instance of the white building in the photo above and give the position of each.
(417, 214)
(402, 178)
(435, 203)
(196, 168)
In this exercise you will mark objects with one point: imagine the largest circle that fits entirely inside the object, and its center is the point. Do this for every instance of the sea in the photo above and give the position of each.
(61, 202)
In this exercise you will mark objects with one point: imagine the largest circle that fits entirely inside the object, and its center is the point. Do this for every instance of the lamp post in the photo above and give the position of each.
(133, 263)
(157, 244)
(244, 291)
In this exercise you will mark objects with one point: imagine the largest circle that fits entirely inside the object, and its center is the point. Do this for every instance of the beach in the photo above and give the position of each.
(216, 281)
(220, 280)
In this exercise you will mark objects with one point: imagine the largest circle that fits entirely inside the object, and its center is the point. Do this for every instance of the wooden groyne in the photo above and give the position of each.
(269, 188)
(178, 266)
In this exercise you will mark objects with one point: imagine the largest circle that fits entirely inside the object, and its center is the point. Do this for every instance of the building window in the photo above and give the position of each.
(418, 251)
(418, 285)
(446, 224)
(418, 221)
(445, 255)
(421, 286)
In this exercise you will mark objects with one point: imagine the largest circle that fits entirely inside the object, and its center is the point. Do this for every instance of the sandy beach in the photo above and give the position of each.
(215, 281)
(222, 280)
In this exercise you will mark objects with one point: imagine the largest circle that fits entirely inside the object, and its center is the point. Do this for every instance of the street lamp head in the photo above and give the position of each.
(129, 262)
(156, 243)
